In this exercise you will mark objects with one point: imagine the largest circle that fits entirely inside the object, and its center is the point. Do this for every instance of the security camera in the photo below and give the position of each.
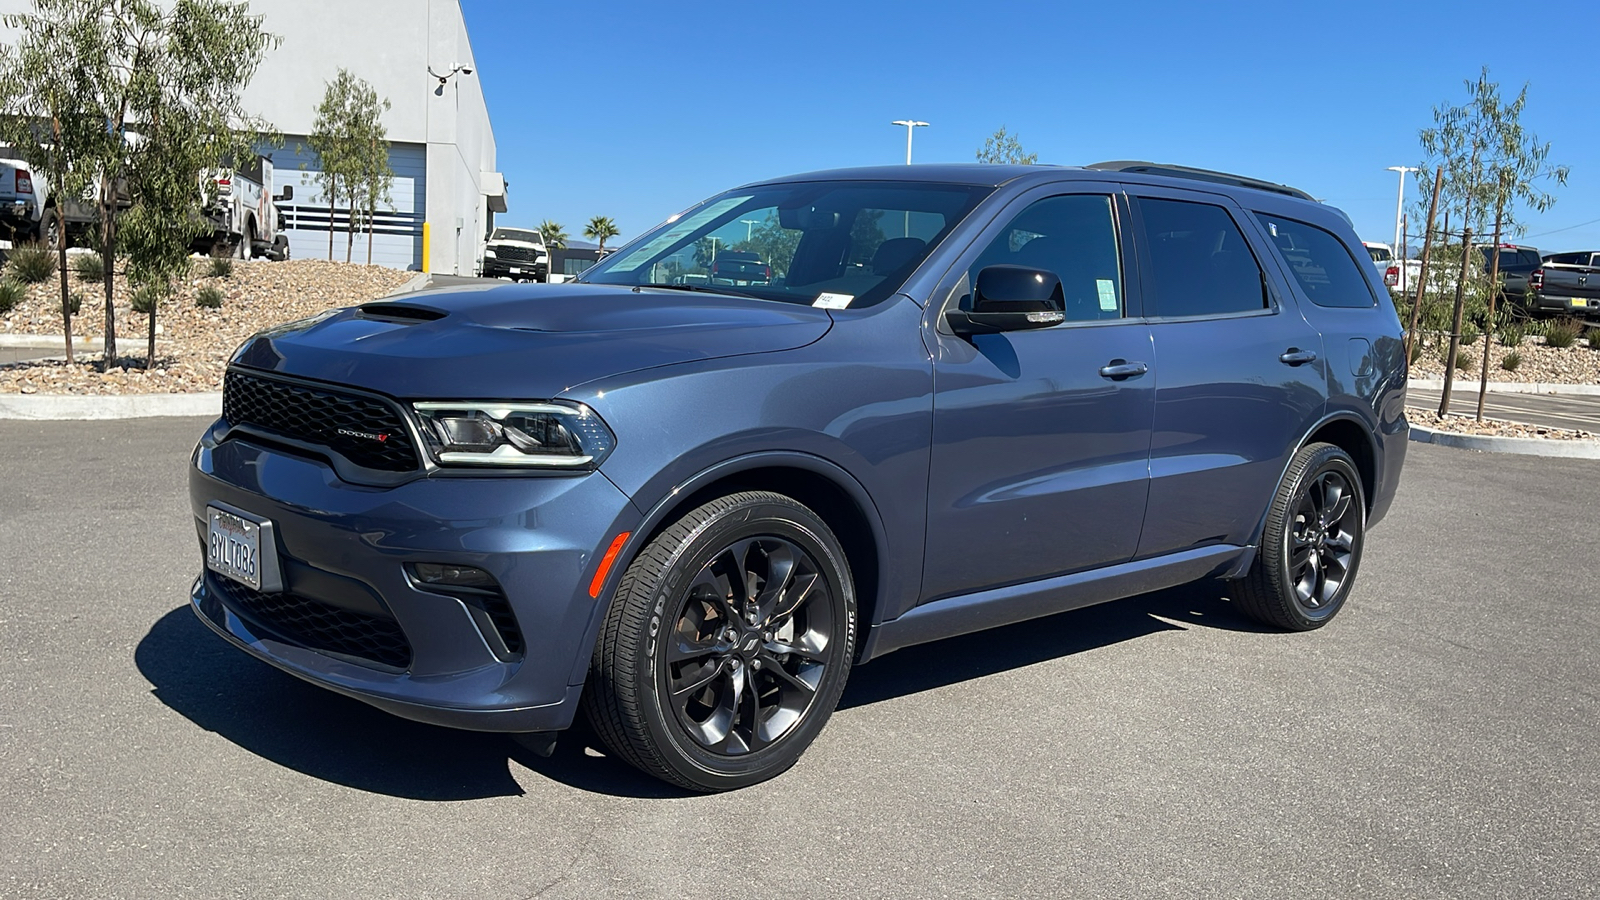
(466, 70)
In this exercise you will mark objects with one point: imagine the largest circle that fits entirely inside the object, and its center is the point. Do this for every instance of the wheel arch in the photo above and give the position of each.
(821, 485)
(1350, 433)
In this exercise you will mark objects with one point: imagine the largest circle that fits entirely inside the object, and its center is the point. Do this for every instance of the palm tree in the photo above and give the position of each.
(555, 237)
(600, 228)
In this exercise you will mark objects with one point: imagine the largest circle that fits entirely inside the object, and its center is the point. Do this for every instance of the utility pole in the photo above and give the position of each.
(911, 125)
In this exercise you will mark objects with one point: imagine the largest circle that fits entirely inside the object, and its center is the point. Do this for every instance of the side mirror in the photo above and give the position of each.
(1011, 298)
(288, 193)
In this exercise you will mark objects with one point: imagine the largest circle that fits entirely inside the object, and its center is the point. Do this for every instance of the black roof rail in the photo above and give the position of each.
(1170, 171)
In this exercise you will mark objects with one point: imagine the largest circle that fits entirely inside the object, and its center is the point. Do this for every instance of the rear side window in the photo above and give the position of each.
(1320, 263)
(1200, 264)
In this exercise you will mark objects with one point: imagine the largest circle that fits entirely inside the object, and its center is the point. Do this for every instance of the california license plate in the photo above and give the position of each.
(234, 547)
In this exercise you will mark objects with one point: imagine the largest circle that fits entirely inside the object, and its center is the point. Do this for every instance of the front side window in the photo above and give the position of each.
(1324, 269)
(1073, 236)
(1200, 264)
(834, 244)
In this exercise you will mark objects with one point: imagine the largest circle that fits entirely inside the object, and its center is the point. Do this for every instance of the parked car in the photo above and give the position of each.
(243, 212)
(740, 267)
(1516, 264)
(690, 509)
(1566, 283)
(30, 210)
(516, 253)
(1398, 275)
(19, 205)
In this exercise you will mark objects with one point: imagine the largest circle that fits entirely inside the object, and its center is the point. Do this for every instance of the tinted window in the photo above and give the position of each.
(1324, 269)
(850, 243)
(1200, 264)
(1568, 258)
(1076, 238)
(1524, 258)
(1380, 254)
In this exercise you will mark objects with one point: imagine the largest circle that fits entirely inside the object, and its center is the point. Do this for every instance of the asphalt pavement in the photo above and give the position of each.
(1437, 740)
(1570, 411)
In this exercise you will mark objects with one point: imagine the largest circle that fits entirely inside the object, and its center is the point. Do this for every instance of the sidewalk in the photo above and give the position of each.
(1569, 411)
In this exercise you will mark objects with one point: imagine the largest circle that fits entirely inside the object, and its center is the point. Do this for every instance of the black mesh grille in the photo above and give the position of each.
(317, 625)
(516, 254)
(364, 430)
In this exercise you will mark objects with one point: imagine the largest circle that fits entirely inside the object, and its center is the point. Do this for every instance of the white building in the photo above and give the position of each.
(446, 187)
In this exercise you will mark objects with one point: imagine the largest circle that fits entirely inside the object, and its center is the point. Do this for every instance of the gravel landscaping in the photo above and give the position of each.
(1577, 364)
(193, 344)
(1492, 427)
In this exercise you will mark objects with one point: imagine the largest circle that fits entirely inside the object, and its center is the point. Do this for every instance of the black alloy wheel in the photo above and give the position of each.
(749, 646)
(727, 644)
(1311, 545)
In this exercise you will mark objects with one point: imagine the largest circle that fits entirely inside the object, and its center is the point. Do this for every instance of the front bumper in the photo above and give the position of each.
(501, 268)
(343, 550)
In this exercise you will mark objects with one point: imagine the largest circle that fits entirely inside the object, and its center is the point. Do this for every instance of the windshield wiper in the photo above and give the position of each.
(700, 288)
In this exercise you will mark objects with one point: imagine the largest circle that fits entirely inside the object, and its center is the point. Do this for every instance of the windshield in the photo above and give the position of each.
(836, 244)
(516, 234)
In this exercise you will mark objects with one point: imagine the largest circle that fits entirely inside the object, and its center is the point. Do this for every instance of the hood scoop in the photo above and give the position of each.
(400, 313)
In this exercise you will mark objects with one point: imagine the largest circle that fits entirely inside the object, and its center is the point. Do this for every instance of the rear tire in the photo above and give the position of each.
(727, 645)
(1311, 546)
(246, 248)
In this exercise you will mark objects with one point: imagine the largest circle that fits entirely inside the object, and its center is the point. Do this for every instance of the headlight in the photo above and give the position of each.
(535, 435)
(488, 254)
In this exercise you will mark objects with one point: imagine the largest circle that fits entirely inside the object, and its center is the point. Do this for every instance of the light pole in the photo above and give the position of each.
(1399, 207)
(748, 224)
(911, 125)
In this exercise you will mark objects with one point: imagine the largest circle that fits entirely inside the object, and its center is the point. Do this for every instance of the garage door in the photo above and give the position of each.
(396, 228)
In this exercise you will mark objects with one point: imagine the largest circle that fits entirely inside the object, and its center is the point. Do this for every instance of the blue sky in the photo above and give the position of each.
(638, 109)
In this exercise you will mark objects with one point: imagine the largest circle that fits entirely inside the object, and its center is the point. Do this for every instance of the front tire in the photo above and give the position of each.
(1311, 546)
(727, 645)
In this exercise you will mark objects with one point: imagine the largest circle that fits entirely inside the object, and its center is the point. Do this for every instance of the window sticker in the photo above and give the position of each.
(1108, 293)
(826, 300)
(679, 230)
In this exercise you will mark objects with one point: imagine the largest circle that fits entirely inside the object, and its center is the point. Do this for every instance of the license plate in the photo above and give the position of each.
(515, 270)
(234, 547)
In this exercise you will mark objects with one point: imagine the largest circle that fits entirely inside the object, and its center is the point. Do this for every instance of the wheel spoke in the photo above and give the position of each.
(781, 566)
(800, 591)
(686, 688)
(776, 648)
(682, 650)
(1299, 556)
(789, 678)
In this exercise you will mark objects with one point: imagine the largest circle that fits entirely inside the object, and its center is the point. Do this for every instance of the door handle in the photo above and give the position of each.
(1118, 369)
(1297, 357)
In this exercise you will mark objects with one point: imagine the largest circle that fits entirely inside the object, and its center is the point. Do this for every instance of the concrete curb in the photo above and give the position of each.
(57, 407)
(48, 342)
(1521, 446)
(1510, 387)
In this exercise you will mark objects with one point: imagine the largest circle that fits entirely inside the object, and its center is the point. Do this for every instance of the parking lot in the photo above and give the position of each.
(1437, 740)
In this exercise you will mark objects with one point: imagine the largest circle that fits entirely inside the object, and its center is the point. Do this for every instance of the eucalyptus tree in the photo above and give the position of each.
(352, 147)
(601, 229)
(142, 69)
(1004, 148)
(1492, 169)
(42, 116)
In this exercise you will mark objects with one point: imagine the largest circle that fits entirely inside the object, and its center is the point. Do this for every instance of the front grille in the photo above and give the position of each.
(316, 625)
(365, 430)
(516, 254)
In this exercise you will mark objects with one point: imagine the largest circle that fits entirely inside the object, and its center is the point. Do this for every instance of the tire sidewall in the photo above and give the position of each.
(765, 518)
(1325, 459)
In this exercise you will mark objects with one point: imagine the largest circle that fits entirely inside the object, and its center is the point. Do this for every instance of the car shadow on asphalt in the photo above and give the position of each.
(343, 741)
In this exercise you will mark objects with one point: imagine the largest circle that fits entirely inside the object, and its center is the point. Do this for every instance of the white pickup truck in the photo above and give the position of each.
(1399, 274)
(243, 213)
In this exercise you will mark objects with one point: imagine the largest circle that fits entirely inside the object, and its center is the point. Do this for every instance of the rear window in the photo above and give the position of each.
(1513, 258)
(1321, 264)
(1199, 261)
(1380, 254)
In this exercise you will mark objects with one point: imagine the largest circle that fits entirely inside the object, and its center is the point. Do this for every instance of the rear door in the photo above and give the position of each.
(1239, 372)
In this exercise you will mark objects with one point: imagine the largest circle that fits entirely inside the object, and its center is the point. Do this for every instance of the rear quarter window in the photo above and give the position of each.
(1323, 267)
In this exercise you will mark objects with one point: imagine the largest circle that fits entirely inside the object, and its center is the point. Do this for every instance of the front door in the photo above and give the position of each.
(1039, 462)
